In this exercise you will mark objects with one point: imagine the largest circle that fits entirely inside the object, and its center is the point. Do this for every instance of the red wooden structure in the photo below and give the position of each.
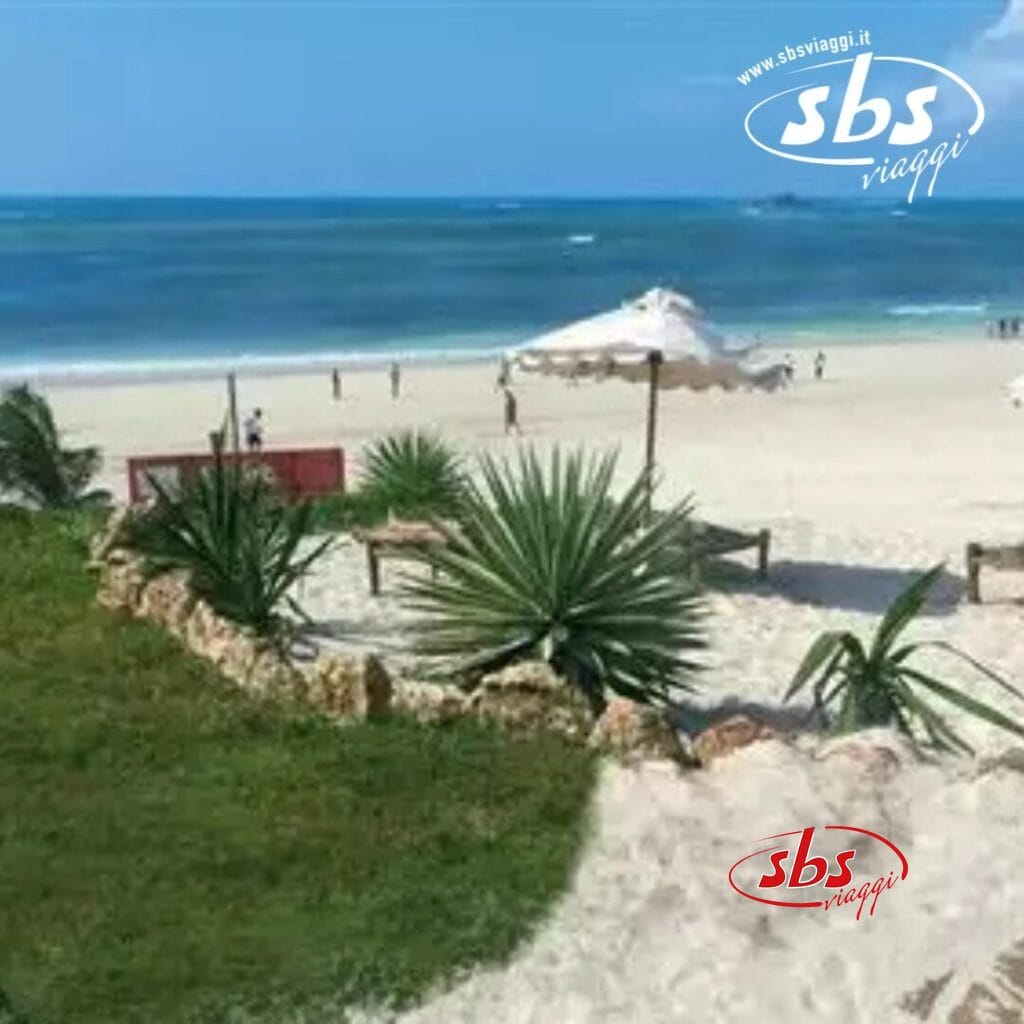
(299, 472)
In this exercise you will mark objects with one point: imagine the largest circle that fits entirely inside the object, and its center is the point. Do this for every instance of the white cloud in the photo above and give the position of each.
(1010, 24)
(994, 61)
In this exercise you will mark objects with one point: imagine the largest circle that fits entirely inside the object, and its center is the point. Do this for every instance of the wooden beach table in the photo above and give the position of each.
(397, 539)
(992, 556)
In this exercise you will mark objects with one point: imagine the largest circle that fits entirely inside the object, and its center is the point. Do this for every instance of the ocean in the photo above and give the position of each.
(139, 286)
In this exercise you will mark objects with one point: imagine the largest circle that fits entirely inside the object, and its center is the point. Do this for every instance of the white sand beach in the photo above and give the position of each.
(894, 462)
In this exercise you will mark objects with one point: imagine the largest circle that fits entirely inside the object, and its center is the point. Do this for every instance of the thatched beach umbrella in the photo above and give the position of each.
(661, 338)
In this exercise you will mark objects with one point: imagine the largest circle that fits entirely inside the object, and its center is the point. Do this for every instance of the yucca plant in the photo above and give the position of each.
(238, 541)
(876, 685)
(34, 467)
(545, 565)
(413, 473)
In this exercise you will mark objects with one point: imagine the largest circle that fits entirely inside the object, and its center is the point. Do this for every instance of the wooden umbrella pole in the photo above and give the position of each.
(654, 361)
(233, 413)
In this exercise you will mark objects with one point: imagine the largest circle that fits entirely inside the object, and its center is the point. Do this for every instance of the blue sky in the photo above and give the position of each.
(484, 97)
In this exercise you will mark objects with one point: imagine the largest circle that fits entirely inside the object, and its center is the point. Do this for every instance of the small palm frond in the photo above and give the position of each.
(33, 465)
(877, 685)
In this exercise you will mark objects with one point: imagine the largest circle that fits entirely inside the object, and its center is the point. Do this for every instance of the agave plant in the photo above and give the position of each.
(238, 541)
(33, 465)
(545, 565)
(877, 686)
(413, 474)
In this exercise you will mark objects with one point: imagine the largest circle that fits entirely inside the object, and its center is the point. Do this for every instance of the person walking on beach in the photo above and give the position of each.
(336, 384)
(790, 366)
(254, 431)
(1002, 327)
(1015, 327)
(819, 366)
(396, 378)
(504, 373)
(511, 413)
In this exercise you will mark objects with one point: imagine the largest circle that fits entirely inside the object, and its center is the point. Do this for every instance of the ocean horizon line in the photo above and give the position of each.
(496, 197)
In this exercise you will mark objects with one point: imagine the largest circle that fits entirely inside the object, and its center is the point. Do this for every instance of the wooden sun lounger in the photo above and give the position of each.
(991, 556)
(403, 539)
(400, 539)
(712, 541)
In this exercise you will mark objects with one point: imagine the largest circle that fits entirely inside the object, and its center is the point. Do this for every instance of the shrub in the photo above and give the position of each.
(349, 510)
(409, 475)
(414, 474)
(239, 542)
(546, 566)
(33, 465)
(875, 686)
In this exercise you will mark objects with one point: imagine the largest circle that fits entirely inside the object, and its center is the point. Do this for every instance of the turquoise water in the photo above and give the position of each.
(108, 284)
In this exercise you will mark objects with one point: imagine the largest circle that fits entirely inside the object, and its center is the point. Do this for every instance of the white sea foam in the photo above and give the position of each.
(128, 370)
(581, 239)
(940, 309)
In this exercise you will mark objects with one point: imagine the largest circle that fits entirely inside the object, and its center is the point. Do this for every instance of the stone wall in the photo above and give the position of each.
(350, 688)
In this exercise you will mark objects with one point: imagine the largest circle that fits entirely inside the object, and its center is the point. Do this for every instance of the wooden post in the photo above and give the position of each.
(233, 414)
(764, 539)
(973, 573)
(373, 565)
(654, 361)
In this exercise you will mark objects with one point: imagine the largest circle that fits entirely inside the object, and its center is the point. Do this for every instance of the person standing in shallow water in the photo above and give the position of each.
(396, 378)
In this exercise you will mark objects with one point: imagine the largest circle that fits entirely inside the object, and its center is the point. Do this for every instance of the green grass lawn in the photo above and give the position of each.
(172, 851)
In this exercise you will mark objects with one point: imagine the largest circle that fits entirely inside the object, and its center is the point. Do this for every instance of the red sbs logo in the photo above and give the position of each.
(802, 880)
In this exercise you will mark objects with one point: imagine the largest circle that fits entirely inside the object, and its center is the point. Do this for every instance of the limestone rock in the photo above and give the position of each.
(207, 633)
(531, 696)
(879, 752)
(121, 584)
(270, 674)
(109, 536)
(349, 686)
(729, 735)
(635, 732)
(238, 658)
(168, 600)
(998, 995)
(429, 703)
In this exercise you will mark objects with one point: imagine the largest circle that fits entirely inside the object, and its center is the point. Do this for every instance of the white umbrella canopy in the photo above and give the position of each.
(620, 342)
(662, 338)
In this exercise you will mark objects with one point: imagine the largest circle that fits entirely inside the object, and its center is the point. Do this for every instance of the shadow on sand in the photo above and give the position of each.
(859, 588)
(691, 718)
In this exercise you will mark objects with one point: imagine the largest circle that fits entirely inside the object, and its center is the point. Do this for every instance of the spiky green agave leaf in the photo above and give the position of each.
(546, 565)
(237, 540)
(877, 687)
(413, 474)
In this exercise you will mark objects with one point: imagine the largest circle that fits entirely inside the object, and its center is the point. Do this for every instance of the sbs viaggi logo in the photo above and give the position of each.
(899, 119)
(852, 867)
